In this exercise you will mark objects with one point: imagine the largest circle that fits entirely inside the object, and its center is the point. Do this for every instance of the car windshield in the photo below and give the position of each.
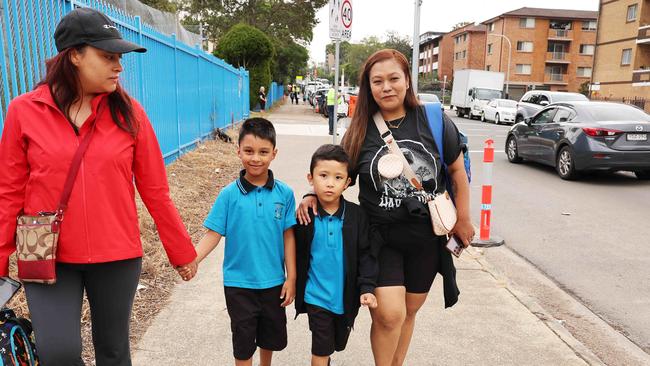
(568, 97)
(507, 104)
(487, 94)
(428, 98)
(616, 112)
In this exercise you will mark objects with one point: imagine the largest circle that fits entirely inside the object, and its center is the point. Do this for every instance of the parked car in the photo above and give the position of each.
(499, 110)
(319, 98)
(534, 100)
(430, 98)
(579, 136)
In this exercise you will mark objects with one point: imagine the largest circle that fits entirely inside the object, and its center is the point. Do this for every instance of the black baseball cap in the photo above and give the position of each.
(91, 27)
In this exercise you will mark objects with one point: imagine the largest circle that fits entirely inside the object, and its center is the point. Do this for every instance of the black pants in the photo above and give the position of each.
(56, 312)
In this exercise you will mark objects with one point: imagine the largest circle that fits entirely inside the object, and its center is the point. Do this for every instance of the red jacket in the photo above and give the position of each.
(101, 222)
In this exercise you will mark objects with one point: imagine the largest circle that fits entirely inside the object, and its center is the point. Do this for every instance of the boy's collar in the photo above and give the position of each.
(339, 213)
(246, 186)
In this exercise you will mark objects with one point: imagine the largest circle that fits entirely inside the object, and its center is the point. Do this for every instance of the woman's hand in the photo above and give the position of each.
(463, 230)
(302, 213)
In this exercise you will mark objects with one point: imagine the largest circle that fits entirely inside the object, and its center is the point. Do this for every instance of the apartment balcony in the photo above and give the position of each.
(560, 35)
(436, 50)
(641, 77)
(557, 58)
(556, 79)
(643, 37)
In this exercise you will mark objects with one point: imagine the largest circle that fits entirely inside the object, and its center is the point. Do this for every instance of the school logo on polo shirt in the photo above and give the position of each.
(279, 208)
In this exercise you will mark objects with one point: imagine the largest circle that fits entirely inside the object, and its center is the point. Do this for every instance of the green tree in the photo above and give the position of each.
(400, 43)
(584, 89)
(290, 61)
(162, 5)
(248, 47)
(281, 19)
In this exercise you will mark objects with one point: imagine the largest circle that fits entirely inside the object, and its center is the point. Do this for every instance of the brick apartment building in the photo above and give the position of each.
(622, 60)
(429, 53)
(552, 49)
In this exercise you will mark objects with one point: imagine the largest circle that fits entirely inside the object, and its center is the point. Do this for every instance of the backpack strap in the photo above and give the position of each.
(437, 127)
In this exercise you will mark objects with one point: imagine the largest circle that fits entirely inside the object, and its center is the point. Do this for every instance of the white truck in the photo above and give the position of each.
(473, 89)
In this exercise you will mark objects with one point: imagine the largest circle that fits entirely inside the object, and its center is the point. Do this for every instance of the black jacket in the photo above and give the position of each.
(360, 261)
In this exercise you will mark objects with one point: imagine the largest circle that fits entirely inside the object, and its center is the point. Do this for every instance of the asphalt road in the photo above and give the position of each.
(590, 236)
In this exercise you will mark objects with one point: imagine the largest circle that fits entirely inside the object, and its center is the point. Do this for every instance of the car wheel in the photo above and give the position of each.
(482, 116)
(565, 164)
(511, 150)
(458, 112)
(496, 119)
(642, 174)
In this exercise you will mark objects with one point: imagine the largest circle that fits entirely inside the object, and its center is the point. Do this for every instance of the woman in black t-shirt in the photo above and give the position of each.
(262, 98)
(408, 252)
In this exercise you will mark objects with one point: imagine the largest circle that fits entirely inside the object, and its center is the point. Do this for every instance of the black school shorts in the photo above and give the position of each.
(329, 331)
(256, 320)
(410, 256)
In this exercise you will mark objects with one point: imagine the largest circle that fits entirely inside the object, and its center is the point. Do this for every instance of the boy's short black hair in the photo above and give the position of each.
(259, 127)
(329, 152)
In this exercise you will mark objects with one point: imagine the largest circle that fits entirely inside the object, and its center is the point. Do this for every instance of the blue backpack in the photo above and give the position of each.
(437, 127)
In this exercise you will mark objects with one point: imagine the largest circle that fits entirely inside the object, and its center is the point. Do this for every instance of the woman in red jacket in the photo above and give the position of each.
(99, 248)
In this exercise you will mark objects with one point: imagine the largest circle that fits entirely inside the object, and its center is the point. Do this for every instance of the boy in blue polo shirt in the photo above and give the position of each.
(336, 272)
(255, 214)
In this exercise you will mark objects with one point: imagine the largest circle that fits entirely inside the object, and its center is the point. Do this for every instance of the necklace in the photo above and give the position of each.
(391, 125)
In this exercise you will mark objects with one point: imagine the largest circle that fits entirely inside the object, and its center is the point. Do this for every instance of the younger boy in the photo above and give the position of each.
(336, 272)
(256, 215)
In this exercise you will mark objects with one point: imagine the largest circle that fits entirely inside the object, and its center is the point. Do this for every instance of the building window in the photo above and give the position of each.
(584, 72)
(524, 69)
(631, 13)
(489, 49)
(488, 68)
(524, 46)
(465, 37)
(626, 57)
(464, 54)
(589, 25)
(587, 49)
(490, 27)
(527, 23)
(457, 39)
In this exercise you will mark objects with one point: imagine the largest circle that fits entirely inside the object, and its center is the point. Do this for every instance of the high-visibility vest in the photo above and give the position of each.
(330, 96)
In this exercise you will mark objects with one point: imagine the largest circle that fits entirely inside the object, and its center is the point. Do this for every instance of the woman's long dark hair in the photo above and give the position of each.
(62, 78)
(366, 104)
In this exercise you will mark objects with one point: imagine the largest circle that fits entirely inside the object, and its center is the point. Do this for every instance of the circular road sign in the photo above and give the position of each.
(346, 14)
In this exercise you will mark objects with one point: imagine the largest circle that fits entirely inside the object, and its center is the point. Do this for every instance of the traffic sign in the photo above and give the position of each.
(340, 19)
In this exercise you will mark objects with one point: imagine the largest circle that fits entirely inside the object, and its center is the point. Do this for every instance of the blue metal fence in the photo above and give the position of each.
(186, 92)
(275, 94)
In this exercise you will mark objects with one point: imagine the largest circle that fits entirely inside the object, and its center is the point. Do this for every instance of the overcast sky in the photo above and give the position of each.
(376, 17)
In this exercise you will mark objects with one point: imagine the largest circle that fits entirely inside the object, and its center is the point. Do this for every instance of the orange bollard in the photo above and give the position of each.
(485, 239)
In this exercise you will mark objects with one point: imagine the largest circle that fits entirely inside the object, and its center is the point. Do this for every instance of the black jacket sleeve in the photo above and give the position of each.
(368, 264)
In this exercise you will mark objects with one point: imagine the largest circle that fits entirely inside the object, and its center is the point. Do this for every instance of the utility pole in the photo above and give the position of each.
(415, 58)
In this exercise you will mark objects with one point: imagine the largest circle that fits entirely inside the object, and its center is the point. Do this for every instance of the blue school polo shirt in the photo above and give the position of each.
(253, 220)
(326, 276)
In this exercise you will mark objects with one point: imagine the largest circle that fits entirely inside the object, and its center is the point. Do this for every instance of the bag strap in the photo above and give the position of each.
(387, 136)
(437, 127)
(74, 166)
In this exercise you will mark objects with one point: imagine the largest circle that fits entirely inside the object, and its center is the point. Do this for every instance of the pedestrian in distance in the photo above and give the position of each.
(255, 214)
(409, 253)
(99, 250)
(331, 104)
(336, 269)
(262, 99)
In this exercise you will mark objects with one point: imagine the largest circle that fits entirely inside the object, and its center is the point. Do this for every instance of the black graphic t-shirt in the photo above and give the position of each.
(396, 200)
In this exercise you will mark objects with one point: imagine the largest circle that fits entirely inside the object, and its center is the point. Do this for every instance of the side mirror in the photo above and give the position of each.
(544, 103)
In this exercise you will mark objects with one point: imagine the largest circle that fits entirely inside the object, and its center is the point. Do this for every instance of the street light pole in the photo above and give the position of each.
(509, 54)
(415, 57)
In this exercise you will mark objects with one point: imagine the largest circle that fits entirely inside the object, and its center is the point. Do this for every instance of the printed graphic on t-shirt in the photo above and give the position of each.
(393, 191)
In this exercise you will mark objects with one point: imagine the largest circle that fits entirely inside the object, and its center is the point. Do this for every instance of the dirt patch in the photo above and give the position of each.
(195, 179)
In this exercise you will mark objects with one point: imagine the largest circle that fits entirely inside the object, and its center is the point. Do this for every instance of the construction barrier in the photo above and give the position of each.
(485, 239)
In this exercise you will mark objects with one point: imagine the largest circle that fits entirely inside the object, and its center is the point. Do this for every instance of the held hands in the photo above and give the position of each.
(302, 213)
(368, 300)
(288, 293)
(464, 230)
(188, 271)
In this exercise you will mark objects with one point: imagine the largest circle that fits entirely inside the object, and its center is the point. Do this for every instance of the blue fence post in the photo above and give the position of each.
(178, 121)
(138, 25)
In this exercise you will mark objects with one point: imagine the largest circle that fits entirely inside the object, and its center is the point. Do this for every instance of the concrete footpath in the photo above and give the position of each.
(493, 323)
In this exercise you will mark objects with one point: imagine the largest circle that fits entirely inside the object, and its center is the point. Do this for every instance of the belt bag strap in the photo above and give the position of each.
(74, 166)
(387, 136)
